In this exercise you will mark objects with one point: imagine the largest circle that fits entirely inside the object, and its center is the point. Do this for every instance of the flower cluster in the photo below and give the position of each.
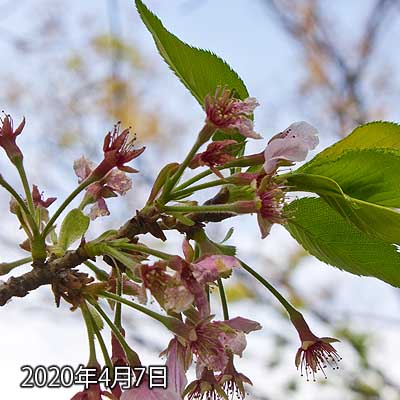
(182, 285)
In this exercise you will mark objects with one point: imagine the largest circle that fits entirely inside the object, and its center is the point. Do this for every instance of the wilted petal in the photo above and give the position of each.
(99, 209)
(83, 167)
(119, 182)
(246, 128)
(178, 298)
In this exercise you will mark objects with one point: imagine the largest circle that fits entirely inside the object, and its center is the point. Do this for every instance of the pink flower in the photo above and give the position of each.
(226, 112)
(169, 291)
(118, 150)
(315, 353)
(293, 144)
(270, 197)
(206, 387)
(195, 276)
(8, 137)
(114, 183)
(268, 201)
(232, 381)
(215, 340)
(217, 153)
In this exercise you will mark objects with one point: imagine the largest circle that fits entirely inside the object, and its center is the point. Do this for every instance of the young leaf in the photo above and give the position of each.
(228, 235)
(327, 236)
(199, 70)
(377, 221)
(73, 227)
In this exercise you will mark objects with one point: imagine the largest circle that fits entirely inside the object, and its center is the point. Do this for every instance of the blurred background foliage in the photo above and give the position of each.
(75, 68)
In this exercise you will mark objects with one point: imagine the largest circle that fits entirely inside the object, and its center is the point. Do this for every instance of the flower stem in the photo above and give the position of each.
(246, 161)
(223, 299)
(145, 250)
(131, 355)
(21, 203)
(90, 332)
(288, 307)
(204, 209)
(194, 179)
(204, 135)
(172, 323)
(65, 203)
(183, 193)
(138, 307)
(118, 306)
(102, 344)
(22, 174)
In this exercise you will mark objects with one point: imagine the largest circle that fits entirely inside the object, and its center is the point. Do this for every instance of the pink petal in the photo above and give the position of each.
(176, 367)
(243, 324)
(205, 271)
(291, 145)
(235, 342)
(210, 268)
(246, 106)
(245, 127)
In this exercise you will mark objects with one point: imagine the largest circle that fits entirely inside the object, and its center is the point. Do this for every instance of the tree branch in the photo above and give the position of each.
(53, 270)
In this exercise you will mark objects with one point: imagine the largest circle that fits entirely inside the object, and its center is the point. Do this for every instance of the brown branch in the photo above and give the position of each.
(40, 275)
(51, 271)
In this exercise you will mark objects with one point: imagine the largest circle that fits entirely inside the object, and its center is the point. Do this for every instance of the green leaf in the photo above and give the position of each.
(73, 227)
(228, 235)
(200, 70)
(377, 221)
(96, 317)
(327, 236)
(374, 135)
(371, 175)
